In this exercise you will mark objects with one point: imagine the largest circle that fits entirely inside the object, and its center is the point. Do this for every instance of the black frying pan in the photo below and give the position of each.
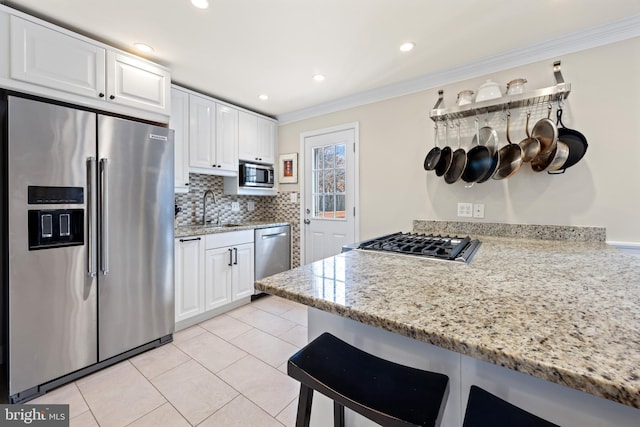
(479, 159)
(575, 140)
(446, 156)
(433, 156)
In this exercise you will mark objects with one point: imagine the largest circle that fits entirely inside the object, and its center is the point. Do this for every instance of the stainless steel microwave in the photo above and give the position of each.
(255, 175)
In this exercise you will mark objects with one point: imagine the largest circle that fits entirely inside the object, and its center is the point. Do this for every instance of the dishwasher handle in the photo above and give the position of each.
(271, 236)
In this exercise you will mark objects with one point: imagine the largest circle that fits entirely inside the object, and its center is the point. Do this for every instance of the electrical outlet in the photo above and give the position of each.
(235, 207)
(465, 210)
(478, 210)
(251, 206)
(293, 197)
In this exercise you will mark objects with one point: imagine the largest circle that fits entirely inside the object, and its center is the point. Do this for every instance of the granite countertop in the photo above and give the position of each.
(564, 311)
(199, 230)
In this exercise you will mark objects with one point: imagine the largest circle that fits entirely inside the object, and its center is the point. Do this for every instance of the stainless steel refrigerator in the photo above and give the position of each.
(87, 232)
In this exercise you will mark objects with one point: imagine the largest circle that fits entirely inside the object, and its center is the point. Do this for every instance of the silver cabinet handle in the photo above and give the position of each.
(91, 252)
(230, 257)
(235, 251)
(104, 216)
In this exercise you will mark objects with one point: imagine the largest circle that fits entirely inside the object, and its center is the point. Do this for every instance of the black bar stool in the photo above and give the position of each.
(384, 392)
(486, 410)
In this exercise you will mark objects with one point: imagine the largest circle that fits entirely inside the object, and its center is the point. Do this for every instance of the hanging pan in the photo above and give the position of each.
(546, 132)
(575, 141)
(458, 163)
(446, 155)
(432, 157)
(510, 157)
(479, 159)
(530, 145)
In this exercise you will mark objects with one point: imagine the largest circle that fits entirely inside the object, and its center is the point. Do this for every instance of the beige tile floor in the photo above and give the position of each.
(227, 371)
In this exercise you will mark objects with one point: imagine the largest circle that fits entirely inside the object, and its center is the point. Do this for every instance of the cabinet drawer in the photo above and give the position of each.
(230, 238)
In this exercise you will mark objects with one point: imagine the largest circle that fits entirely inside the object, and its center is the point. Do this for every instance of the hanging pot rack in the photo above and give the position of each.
(529, 99)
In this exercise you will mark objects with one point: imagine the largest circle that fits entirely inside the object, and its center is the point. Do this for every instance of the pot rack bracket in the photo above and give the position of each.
(545, 95)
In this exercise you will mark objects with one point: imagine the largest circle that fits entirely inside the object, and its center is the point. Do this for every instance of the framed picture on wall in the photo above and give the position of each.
(288, 168)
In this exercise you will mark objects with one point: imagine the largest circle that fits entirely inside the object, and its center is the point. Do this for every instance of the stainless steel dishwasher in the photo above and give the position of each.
(273, 251)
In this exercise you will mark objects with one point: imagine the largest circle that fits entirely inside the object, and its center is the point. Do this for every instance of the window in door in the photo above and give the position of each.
(329, 182)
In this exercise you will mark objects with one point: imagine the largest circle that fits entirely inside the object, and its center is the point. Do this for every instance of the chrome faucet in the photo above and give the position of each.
(204, 206)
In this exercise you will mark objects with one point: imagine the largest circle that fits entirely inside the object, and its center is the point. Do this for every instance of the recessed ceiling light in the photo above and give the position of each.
(200, 4)
(143, 47)
(318, 77)
(407, 46)
(263, 97)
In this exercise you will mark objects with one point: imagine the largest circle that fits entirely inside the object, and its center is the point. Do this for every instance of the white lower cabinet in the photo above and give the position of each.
(214, 273)
(189, 271)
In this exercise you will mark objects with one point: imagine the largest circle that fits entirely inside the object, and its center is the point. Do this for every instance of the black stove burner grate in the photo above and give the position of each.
(427, 245)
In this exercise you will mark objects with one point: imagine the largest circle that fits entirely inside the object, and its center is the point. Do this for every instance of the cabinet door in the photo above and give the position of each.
(202, 133)
(226, 138)
(49, 58)
(266, 140)
(247, 137)
(243, 271)
(189, 271)
(134, 82)
(179, 122)
(217, 277)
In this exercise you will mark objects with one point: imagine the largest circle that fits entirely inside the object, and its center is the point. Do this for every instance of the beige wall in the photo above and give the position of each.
(602, 190)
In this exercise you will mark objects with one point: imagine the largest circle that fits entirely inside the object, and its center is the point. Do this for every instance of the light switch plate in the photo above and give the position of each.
(235, 206)
(251, 206)
(465, 210)
(293, 197)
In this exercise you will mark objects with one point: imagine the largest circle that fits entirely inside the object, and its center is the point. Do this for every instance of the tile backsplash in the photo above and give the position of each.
(267, 208)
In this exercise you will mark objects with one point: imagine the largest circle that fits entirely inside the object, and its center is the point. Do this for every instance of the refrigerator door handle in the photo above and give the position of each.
(91, 243)
(104, 216)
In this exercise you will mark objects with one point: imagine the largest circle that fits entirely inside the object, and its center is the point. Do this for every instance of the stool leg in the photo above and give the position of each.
(338, 414)
(304, 406)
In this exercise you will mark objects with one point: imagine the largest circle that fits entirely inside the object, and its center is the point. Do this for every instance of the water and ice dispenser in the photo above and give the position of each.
(54, 228)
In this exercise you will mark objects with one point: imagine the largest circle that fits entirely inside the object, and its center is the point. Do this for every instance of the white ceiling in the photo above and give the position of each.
(238, 49)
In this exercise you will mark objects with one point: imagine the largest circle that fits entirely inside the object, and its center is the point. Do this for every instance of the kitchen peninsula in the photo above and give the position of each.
(546, 317)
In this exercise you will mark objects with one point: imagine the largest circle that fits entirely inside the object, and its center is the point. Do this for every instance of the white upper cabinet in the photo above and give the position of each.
(227, 137)
(202, 134)
(137, 83)
(47, 60)
(257, 139)
(179, 122)
(266, 141)
(248, 137)
(213, 137)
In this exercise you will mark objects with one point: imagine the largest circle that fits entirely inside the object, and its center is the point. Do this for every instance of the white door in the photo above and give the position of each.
(330, 190)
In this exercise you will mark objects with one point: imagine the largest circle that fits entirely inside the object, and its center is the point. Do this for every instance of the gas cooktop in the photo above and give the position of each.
(448, 248)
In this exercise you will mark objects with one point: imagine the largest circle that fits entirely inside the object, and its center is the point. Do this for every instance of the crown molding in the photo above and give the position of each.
(623, 29)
